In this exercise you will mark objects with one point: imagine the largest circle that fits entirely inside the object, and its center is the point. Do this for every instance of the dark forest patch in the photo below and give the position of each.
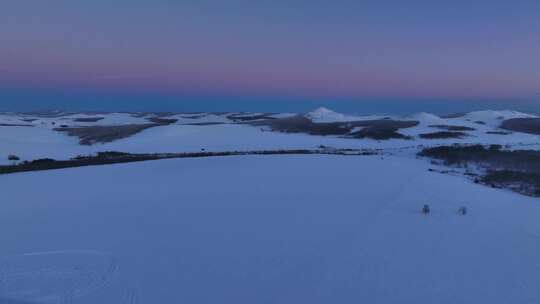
(197, 116)
(443, 134)
(161, 120)
(453, 115)
(375, 129)
(379, 132)
(210, 123)
(382, 129)
(452, 128)
(88, 119)
(103, 134)
(14, 125)
(247, 117)
(516, 170)
(524, 125)
(113, 157)
(498, 132)
(300, 124)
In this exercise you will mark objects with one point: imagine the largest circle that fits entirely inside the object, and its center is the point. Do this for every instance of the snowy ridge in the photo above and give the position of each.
(319, 115)
(491, 117)
(325, 115)
(494, 118)
(425, 118)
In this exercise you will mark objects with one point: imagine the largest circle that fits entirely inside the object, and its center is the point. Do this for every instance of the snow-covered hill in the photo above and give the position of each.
(494, 118)
(489, 117)
(426, 118)
(34, 136)
(324, 115)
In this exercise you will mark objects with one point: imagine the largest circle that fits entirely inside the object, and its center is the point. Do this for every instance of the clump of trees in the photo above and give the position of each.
(113, 157)
(380, 133)
(452, 128)
(518, 170)
(13, 157)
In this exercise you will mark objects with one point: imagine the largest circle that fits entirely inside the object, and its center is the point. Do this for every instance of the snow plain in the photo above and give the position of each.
(261, 229)
(275, 229)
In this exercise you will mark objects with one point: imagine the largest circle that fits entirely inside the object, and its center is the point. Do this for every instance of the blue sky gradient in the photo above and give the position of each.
(178, 53)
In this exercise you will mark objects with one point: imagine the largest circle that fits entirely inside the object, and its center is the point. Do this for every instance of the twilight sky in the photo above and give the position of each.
(474, 49)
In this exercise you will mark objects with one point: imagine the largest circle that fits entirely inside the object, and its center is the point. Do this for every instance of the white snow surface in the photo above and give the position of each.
(426, 118)
(213, 132)
(260, 229)
(324, 115)
(494, 118)
(265, 229)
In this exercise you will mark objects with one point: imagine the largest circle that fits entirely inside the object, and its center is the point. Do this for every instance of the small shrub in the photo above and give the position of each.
(495, 148)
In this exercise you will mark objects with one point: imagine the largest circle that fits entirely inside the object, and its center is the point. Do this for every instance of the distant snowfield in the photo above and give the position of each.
(266, 229)
(34, 143)
(212, 132)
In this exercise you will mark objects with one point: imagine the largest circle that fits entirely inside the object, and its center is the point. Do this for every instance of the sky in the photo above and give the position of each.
(156, 54)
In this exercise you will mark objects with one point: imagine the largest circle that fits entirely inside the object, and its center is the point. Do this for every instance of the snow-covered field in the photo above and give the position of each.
(280, 229)
(214, 132)
(260, 229)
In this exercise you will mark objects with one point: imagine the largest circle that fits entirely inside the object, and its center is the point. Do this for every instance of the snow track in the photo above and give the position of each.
(55, 277)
